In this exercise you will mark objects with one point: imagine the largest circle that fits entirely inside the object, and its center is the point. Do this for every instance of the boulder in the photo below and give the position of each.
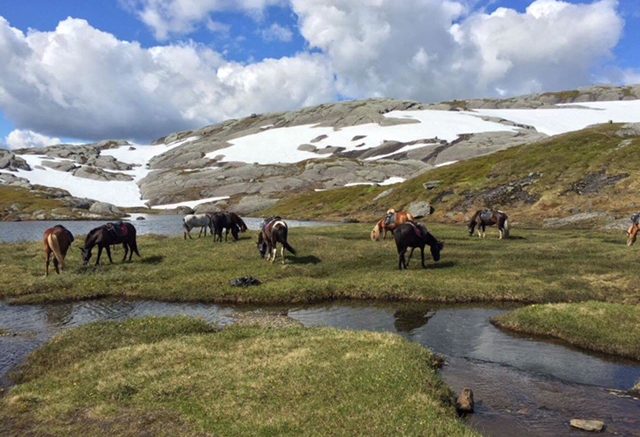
(587, 425)
(464, 402)
(249, 204)
(420, 208)
(184, 210)
(96, 173)
(9, 161)
(65, 165)
(105, 209)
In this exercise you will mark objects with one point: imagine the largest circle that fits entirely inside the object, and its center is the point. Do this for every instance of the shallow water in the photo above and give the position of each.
(12, 232)
(522, 386)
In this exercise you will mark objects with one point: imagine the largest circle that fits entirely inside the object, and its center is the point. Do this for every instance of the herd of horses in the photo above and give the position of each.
(407, 233)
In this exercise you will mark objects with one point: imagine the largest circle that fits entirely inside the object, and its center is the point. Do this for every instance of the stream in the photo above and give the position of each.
(522, 386)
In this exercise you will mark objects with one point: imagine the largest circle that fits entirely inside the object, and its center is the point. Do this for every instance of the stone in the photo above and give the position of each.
(587, 425)
(635, 391)
(9, 161)
(465, 403)
(105, 209)
(307, 148)
(65, 165)
(420, 209)
(430, 185)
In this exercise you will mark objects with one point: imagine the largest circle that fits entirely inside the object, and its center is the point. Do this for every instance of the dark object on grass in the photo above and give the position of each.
(412, 235)
(107, 235)
(245, 281)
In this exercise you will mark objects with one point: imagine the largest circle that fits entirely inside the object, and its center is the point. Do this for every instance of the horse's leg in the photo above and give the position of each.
(409, 257)
(126, 249)
(500, 233)
(109, 253)
(99, 253)
(46, 264)
(422, 256)
(401, 261)
(282, 253)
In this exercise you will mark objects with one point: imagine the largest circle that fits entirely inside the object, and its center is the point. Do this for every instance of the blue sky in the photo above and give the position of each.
(139, 69)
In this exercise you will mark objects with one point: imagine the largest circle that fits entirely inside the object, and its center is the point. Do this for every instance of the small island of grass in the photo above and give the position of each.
(180, 376)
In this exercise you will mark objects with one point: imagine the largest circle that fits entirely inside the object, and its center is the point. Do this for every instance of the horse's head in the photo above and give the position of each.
(632, 234)
(261, 245)
(436, 249)
(86, 255)
(375, 233)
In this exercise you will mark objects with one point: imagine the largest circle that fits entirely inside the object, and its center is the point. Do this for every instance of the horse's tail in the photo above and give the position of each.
(134, 246)
(54, 244)
(473, 222)
(289, 247)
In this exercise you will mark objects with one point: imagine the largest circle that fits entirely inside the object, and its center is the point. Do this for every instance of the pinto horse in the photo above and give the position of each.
(57, 241)
(227, 221)
(632, 232)
(107, 235)
(274, 230)
(488, 217)
(389, 222)
(190, 221)
(412, 234)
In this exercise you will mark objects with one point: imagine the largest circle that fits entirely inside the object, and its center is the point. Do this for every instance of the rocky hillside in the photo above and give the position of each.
(586, 178)
(253, 163)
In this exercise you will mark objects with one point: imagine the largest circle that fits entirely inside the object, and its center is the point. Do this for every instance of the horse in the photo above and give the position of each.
(634, 228)
(488, 217)
(108, 235)
(274, 230)
(389, 223)
(412, 234)
(190, 221)
(57, 241)
(227, 221)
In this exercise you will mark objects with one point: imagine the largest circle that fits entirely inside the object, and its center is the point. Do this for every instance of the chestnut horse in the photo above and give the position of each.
(107, 235)
(488, 217)
(57, 241)
(389, 222)
(632, 232)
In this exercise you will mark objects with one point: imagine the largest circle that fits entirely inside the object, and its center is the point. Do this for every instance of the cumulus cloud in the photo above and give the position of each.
(83, 83)
(276, 32)
(20, 138)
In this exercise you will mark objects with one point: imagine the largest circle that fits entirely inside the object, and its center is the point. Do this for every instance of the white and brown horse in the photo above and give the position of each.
(56, 241)
(634, 229)
(274, 230)
(389, 222)
(488, 217)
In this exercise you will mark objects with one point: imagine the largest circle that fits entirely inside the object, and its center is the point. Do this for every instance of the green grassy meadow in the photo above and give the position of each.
(180, 376)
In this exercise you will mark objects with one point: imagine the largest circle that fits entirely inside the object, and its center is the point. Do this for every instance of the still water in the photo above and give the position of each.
(523, 386)
(13, 232)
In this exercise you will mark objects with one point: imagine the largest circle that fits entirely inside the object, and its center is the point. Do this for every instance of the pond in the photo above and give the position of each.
(522, 385)
(12, 232)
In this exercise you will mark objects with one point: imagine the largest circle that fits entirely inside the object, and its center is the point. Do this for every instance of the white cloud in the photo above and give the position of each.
(276, 32)
(20, 139)
(83, 83)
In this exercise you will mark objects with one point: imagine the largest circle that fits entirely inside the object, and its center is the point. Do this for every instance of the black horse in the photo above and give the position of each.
(274, 230)
(488, 217)
(107, 235)
(227, 221)
(414, 235)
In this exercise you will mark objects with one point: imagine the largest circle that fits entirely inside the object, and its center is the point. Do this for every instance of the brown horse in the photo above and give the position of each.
(632, 232)
(488, 217)
(107, 235)
(389, 222)
(57, 241)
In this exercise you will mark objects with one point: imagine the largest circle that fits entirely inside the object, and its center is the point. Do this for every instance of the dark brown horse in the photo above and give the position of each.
(227, 221)
(412, 234)
(274, 230)
(57, 241)
(488, 217)
(107, 235)
(632, 232)
(389, 222)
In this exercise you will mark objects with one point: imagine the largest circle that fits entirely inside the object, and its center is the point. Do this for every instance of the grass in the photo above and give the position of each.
(342, 263)
(558, 163)
(597, 326)
(25, 201)
(165, 376)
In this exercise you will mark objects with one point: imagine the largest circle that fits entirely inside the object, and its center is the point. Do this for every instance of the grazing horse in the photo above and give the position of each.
(190, 221)
(632, 232)
(273, 231)
(488, 217)
(389, 223)
(108, 235)
(227, 221)
(412, 234)
(57, 241)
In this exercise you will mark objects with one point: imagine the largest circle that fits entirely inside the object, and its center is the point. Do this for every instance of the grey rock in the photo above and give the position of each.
(96, 173)
(587, 425)
(15, 181)
(249, 204)
(65, 165)
(9, 161)
(105, 209)
(307, 148)
(385, 193)
(420, 209)
(583, 218)
(629, 130)
(430, 185)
